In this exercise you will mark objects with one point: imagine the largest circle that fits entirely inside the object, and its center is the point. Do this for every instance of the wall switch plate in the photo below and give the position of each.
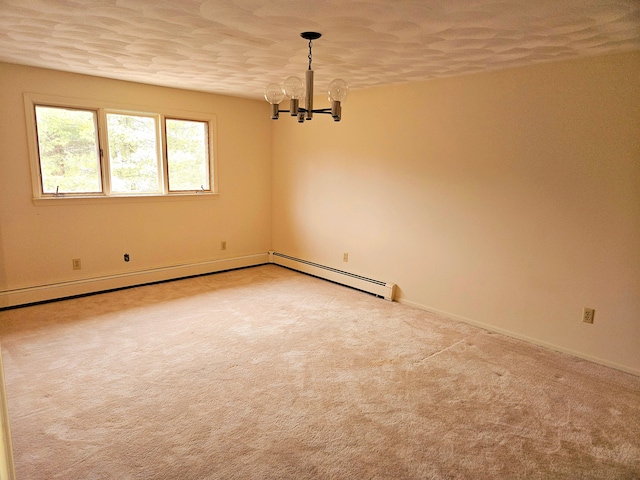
(77, 264)
(588, 314)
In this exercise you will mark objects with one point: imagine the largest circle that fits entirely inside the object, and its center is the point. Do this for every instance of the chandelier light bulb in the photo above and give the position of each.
(273, 93)
(338, 90)
(293, 87)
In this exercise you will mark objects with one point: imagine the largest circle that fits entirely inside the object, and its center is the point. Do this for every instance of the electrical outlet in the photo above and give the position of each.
(345, 257)
(223, 245)
(77, 264)
(126, 257)
(588, 314)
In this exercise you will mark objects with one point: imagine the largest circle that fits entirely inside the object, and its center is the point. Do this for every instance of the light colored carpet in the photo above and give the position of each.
(268, 373)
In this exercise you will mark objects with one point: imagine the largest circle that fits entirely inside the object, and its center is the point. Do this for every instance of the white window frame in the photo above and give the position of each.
(106, 154)
(165, 148)
(31, 100)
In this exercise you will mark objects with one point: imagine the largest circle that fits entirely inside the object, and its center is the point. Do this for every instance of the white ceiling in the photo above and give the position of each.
(236, 47)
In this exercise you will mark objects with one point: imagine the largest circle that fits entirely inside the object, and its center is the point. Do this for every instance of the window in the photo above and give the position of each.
(187, 154)
(69, 151)
(82, 150)
(133, 154)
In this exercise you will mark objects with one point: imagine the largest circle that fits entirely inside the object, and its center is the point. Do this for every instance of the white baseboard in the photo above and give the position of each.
(382, 289)
(518, 336)
(41, 293)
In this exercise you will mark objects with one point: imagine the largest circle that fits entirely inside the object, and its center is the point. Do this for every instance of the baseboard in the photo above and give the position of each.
(379, 288)
(525, 338)
(54, 291)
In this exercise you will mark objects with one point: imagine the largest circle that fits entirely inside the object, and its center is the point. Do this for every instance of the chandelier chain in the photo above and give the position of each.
(309, 54)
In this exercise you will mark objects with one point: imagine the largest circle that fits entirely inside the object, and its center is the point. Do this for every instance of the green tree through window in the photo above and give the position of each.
(187, 154)
(79, 149)
(69, 152)
(133, 153)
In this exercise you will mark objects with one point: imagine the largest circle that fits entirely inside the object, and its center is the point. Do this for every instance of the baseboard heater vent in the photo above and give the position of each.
(376, 287)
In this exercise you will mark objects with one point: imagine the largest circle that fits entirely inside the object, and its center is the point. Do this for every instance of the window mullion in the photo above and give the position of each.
(103, 138)
(163, 169)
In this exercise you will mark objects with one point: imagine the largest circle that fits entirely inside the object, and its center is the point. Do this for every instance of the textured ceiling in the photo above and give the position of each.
(236, 47)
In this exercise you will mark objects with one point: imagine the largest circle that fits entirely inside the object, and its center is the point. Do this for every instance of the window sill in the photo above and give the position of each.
(101, 200)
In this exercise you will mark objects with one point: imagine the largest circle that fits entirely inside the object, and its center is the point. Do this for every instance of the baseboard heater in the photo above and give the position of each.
(376, 287)
(85, 286)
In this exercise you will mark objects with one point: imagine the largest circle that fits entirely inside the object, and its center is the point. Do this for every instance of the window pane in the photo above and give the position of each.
(69, 153)
(133, 153)
(188, 154)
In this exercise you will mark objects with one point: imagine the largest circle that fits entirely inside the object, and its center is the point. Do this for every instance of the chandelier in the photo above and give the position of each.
(296, 90)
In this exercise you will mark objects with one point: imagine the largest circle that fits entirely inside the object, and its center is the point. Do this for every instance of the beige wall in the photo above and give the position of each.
(509, 199)
(37, 243)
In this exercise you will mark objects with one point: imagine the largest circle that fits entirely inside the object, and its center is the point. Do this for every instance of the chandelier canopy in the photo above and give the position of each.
(295, 89)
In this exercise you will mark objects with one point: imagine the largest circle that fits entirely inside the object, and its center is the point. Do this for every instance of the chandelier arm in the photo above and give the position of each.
(337, 92)
(315, 110)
